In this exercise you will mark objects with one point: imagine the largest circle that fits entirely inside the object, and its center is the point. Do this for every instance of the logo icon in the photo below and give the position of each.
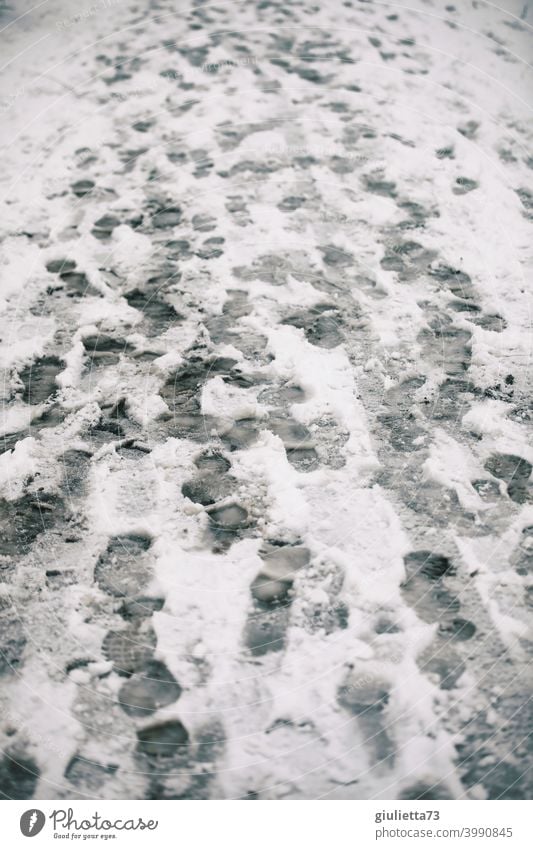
(32, 822)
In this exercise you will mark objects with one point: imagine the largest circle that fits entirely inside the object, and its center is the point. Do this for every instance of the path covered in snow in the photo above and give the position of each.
(265, 335)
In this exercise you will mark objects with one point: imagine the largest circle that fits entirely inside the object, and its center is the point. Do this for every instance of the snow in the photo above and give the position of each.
(357, 151)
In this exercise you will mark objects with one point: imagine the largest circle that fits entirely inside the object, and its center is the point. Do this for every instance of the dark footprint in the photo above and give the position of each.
(286, 394)
(445, 153)
(336, 257)
(268, 268)
(208, 488)
(132, 450)
(237, 304)
(457, 629)
(448, 346)
(311, 75)
(469, 128)
(515, 471)
(445, 664)
(228, 523)
(237, 207)
(203, 223)
(457, 282)
(142, 607)
(236, 377)
(164, 740)
(242, 434)
(472, 310)
(130, 650)
(161, 314)
(149, 690)
(423, 792)
(50, 417)
(105, 350)
(211, 248)
(39, 379)
(321, 325)
(292, 433)
(211, 740)
(198, 428)
(108, 429)
(291, 203)
(179, 249)
(59, 266)
(12, 641)
(455, 351)
(437, 604)
(432, 501)
(403, 429)
(203, 163)
(427, 563)
(487, 490)
(58, 579)
(165, 280)
(273, 583)
(124, 568)
(366, 697)
(222, 332)
(523, 556)
(402, 395)
(103, 228)
(271, 591)
(329, 618)
(169, 217)
(266, 631)
(88, 775)
(75, 468)
(9, 440)
(212, 463)
(78, 284)
(423, 588)
(380, 187)
(370, 286)
(81, 188)
(463, 185)
(138, 126)
(283, 561)
(495, 323)
(409, 259)
(303, 459)
(22, 521)
(417, 215)
(453, 347)
(508, 467)
(454, 398)
(181, 391)
(365, 693)
(504, 781)
(18, 776)
(386, 626)
(481, 764)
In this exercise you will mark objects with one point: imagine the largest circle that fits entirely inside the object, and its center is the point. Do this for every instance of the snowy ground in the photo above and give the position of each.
(267, 525)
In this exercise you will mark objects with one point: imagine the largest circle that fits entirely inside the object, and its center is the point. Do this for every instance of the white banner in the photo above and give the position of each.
(241, 825)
